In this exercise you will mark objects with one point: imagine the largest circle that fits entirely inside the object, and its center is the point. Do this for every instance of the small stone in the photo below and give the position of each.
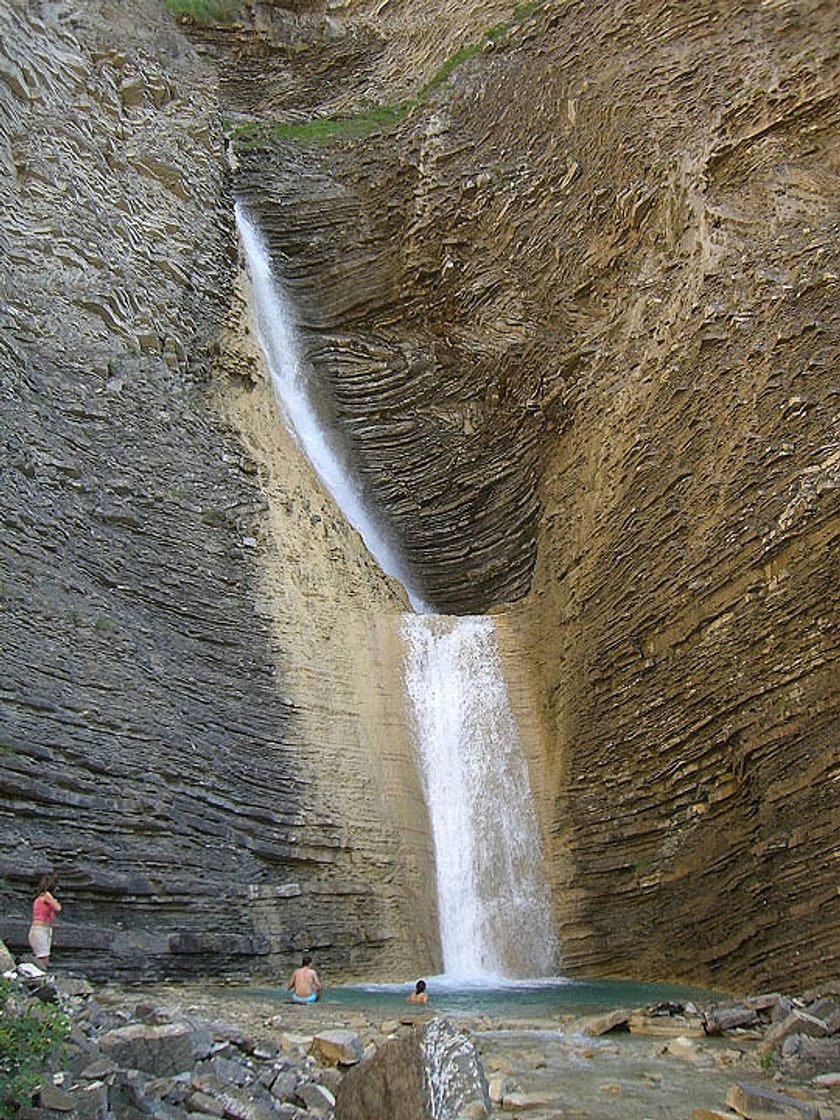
(828, 1080)
(521, 1102)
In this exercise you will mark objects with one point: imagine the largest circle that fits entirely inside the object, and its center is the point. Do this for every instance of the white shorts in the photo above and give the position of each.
(40, 940)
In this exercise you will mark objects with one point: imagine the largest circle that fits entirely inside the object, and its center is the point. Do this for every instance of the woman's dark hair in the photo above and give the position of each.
(420, 986)
(47, 882)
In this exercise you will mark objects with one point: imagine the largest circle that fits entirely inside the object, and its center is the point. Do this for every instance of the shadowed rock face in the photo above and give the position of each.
(576, 314)
(154, 742)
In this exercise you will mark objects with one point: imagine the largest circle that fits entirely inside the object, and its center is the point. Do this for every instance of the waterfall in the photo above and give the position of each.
(494, 913)
(278, 341)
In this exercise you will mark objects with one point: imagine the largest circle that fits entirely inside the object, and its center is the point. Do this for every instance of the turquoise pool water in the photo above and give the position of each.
(518, 998)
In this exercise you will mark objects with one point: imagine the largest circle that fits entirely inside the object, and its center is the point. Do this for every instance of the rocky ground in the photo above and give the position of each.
(202, 1050)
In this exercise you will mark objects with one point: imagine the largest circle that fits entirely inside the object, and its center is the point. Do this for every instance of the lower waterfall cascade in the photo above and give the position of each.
(494, 912)
(494, 915)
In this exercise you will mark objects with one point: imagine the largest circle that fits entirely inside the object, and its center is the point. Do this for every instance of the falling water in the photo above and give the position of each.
(494, 914)
(495, 919)
(278, 340)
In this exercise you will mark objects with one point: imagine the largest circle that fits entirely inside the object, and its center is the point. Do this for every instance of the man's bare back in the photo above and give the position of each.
(304, 982)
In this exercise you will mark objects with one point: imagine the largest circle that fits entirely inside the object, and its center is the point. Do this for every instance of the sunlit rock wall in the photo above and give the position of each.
(577, 313)
(186, 708)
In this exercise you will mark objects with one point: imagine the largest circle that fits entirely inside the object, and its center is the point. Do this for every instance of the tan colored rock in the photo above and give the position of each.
(524, 1102)
(596, 1025)
(665, 1026)
(336, 1047)
(756, 1103)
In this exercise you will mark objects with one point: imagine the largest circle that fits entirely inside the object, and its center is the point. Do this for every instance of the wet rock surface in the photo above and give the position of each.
(259, 1059)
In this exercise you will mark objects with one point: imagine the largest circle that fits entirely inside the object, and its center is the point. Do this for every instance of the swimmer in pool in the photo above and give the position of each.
(419, 995)
(304, 983)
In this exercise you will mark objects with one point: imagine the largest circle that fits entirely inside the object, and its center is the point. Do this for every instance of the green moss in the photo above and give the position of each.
(522, 11)
(322, 130)
(452, 63)
(205, 11)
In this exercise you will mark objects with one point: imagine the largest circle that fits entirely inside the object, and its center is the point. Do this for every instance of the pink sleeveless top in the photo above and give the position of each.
(42, 911)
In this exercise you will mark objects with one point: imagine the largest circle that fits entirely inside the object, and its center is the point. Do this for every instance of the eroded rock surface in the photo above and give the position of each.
(163, 747)
(576, 311)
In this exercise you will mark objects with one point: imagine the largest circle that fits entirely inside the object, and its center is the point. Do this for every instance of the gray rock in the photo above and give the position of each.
(317, 1098)
(52, 1097)
(160, 1050)
(433, 1074)
(797, 1022)
(717, 1019)
(284, 1085)
(7, 961)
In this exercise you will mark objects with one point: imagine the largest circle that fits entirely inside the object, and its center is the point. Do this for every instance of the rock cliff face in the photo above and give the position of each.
(596, 271)
(574, 307)
(159, 723)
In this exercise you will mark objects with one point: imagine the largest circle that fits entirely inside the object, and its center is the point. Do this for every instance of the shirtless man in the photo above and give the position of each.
(304, 983)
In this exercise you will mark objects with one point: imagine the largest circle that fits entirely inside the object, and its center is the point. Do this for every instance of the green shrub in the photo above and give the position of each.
(205, 11)
(31, 1034)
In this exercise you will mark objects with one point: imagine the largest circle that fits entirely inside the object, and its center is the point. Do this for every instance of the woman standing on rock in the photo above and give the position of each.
(44, 910)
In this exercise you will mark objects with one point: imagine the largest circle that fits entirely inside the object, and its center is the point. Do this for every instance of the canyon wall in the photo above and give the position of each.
(197, 731)
(576, 311)
(566, 274)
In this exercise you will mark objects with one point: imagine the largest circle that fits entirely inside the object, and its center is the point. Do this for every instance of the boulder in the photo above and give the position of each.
(825, 1051)
(336, 1047)
(317, 1098)
(159, 1050)
(756, 1103)
(797, 1022)
(665, 1026)
(718, 1019)
(432, 1074)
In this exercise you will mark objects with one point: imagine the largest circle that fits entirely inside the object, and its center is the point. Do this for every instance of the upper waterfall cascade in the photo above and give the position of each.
(493, 901)
(277, 338)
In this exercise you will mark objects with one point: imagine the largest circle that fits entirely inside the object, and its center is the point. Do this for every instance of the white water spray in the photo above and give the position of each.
(277, 337)
(494, 913)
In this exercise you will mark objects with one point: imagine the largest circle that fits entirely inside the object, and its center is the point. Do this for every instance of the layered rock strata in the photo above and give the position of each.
(575, 312)
(577, 316)
(162, 705)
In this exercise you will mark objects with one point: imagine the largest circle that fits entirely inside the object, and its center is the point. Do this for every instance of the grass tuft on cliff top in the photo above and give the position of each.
(322, 130)
(205, 11)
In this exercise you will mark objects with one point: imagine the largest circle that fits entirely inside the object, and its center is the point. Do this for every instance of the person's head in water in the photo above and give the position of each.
(306, 961)
(419, 987)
